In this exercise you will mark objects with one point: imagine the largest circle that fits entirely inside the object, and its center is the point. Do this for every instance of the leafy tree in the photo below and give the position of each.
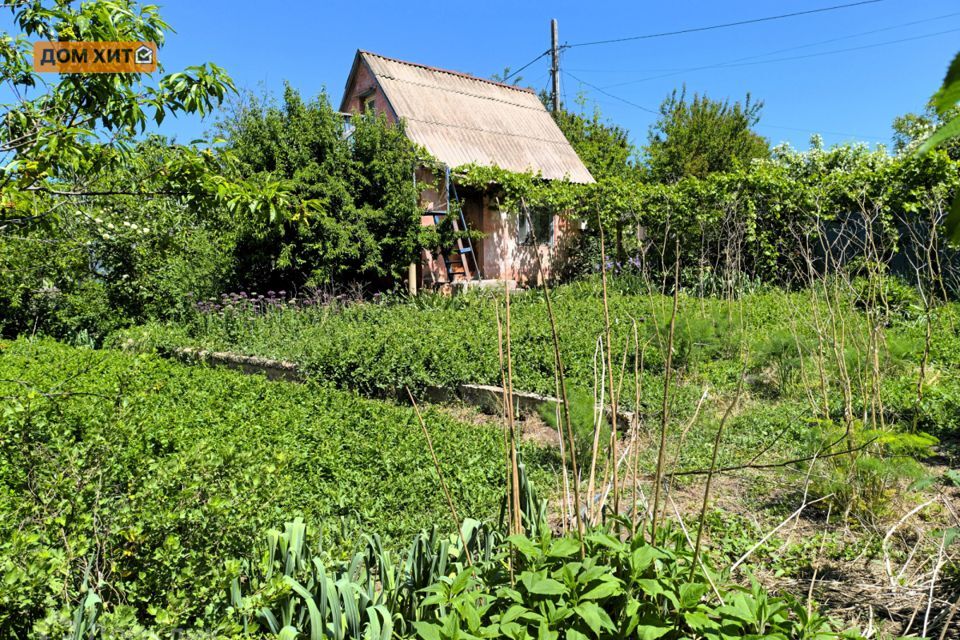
(58, 136)
(113, 259)
(945, 103)
(912, 129)
(702, 136)
(360, 221)
(604, 147)
(79, 188)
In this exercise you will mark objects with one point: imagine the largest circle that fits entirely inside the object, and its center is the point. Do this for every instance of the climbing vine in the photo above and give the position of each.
(770, 209)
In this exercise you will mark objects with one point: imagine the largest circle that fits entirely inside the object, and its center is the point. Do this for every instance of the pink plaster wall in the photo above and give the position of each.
(504, 258)
(499, 254)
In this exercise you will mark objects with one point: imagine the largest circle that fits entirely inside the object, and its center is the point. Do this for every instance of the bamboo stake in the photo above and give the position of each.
(613, 389)
(515, 486)
(443, 484)
(637, 368)
(506, 427)
(563, 457)
(563, 385)
(597, 421)
(665, 409)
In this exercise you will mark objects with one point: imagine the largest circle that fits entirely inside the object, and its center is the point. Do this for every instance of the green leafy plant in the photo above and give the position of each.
(945, 102)
(153, 473)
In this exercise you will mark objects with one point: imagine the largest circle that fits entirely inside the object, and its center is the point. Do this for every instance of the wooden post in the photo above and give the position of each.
(555, 66)
(412, 279)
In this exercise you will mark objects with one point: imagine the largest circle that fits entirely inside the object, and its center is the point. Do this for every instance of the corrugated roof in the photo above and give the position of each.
(461, 119)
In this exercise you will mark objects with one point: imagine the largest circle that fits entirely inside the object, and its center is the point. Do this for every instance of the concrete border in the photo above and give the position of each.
(486, 398)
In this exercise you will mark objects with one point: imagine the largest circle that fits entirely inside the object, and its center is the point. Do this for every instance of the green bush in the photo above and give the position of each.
(378, 348)
(148, 474)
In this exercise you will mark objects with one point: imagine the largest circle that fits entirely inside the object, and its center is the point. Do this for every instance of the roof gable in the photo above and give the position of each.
(461, 119)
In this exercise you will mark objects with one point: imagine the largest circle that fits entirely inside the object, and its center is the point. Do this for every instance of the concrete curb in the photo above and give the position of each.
(486, 398)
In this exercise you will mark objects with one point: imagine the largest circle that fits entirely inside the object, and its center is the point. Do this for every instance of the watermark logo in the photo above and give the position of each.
(95, 57)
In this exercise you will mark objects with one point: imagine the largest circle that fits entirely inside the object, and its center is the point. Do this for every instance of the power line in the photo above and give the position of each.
(739, 62)
(513, 73)
(759, 124)
(827, 53)
(850, 36)
(695, 30)
(724, 25)
(606, 93)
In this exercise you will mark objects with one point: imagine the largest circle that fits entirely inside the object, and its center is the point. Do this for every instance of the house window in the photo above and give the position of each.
(368, 102)
(542, 220)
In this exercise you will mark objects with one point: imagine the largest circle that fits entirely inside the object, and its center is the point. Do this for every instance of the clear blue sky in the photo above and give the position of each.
(848, 95)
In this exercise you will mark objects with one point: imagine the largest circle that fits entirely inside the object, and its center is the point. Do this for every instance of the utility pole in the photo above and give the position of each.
(555, 65)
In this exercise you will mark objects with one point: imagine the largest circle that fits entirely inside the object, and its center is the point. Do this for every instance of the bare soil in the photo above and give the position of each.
(857, 590)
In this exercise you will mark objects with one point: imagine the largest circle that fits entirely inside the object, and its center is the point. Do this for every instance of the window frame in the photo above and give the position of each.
(368, 101)
(524, 236)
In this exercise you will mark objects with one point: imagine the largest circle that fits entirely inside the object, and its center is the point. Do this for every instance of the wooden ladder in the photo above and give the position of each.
(461, 261)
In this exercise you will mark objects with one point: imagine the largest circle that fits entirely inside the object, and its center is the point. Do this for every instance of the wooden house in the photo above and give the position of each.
(461, 119)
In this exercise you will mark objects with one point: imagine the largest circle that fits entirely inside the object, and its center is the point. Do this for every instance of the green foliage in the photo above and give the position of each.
(945, 102)
(583, 417)
(117, 260)
(58, 138)
(459, 586)
(150, 474)
(615, 589)
(702, 136)
(99, 226)
(618, 589)
(867, 481)
(753, 222)
(603, 147)
(379, 348)
(361, 218)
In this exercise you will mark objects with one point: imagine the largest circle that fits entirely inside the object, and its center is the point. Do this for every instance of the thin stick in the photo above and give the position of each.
(775, 529)
(563, 384)
(683, 434)
(777, 465)
(518, 520)
(713, 464)
(933, 584)
(563, 458)
(506, 408)
(597, 421)
(443, 484)
(637, 366)
(816, 565)
(946, 624)
(890, 532)
(665, 409)
(696, 560)
(613, 389)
